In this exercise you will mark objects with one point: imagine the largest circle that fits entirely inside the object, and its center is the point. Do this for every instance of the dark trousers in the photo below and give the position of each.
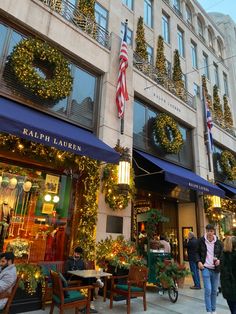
(195, 273)
(232, 306)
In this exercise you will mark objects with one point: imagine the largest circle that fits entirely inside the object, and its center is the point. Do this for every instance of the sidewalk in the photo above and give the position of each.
(189, 301)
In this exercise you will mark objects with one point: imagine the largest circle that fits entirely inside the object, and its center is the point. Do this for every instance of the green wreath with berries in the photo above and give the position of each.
(228, 164)
(113, 196)
(31, 54)
(168, 134)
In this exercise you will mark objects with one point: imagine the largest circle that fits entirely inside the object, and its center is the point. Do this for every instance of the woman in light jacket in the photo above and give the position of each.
(228, 272)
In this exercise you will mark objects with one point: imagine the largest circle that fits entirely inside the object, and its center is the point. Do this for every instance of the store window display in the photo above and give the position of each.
(31, 233)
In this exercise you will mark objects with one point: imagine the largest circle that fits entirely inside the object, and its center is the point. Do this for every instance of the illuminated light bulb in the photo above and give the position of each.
(47, 197)
(56, 199)
(20, 146)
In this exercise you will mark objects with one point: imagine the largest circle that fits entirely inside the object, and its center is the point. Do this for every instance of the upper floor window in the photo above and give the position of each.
(206, 65)
(150, 54)
(101, 16)
(128, 3)
(177, 4)
(166, 28)
(180, 40)
(129, 34)
(189, 16)
(216, 74)
(169, 68)
(226, 88)
(184, 78)
(200, 28)
(220, 54)
(194, 54)
(148, 12)
(196, 90)
(210, 39)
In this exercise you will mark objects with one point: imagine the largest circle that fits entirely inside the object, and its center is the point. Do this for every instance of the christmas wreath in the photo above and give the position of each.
(228, 164)
(32, 56)
(168, 134)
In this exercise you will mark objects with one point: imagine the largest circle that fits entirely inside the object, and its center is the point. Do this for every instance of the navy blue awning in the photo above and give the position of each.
(228, 188)
(39, 127)
(181, 176)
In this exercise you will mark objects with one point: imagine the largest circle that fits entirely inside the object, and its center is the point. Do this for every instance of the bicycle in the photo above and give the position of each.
(172, 291)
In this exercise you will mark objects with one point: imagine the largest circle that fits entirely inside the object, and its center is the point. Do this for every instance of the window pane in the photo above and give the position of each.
(205, 65)
(150, 54)
(216, 74)
(226, 89)
(128, 3)
(83, 96)
(196, 90)
(180, 39)
(165, 28)
(148, 12)
(129, 34)
(188, 14)
(139, 125)
(194, 54)
(15, 39)
(3, 34)
(101, 16)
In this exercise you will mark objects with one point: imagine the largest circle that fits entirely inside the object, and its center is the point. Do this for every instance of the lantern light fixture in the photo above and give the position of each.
(216, 203)
(124, 171)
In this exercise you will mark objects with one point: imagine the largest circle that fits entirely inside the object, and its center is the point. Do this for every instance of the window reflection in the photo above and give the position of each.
(3, 33)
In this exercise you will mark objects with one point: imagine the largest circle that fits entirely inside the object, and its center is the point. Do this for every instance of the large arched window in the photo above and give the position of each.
(200, 28)
(210, 38)
(220, 48)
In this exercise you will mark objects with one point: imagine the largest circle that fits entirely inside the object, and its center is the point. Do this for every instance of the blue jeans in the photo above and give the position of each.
(232, 306)
(210, 281)
(195, 273)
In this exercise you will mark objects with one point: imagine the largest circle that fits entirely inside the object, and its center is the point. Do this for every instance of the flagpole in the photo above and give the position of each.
(122, 126)
(206, 131)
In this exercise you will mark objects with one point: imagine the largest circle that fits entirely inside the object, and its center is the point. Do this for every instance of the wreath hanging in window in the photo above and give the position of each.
(41, 68)
(228, 164)
(168, 134)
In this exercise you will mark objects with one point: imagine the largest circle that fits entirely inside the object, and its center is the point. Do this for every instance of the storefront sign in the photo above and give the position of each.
(50, 139)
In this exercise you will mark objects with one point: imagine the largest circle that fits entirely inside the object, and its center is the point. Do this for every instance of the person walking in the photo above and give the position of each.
(209, 252)
(192, 244)
(228, 272)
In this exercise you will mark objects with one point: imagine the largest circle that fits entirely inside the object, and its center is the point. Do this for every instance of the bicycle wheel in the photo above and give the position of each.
(173, 294)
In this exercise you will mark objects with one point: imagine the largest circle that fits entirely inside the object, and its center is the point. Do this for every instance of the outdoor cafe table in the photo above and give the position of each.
(92, 273)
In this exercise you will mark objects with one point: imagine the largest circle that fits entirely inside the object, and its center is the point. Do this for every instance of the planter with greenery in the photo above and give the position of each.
(178, 75)
(218, 113)
(228, 120)
(161, 61)
(141, 46)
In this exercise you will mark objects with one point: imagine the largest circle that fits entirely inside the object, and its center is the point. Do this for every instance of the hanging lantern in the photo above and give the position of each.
(27, 186)
(216, 203)
(21, 181)
(124, 172)
(35, 186)
(12, 183)
(5, 182)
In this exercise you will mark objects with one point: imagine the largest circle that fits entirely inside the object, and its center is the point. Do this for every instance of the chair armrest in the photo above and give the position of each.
(78, 288)
(4, 295)
(119, 277)
(74, 282)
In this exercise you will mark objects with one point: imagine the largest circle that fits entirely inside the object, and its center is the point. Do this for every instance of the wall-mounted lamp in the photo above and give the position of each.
(47, 197)
(124, 171)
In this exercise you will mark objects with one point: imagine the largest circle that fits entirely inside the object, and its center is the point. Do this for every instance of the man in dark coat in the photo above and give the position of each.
(75, 262)
(192, 244)
(209, 253)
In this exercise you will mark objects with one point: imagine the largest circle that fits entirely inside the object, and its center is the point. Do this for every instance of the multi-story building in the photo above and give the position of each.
(171, 182)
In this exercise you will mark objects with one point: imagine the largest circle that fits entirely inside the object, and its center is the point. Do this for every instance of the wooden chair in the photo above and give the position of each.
(10, 297)
(135, 286)
(74, 299)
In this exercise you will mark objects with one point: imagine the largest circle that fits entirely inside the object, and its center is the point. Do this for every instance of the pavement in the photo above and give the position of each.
(189, 302)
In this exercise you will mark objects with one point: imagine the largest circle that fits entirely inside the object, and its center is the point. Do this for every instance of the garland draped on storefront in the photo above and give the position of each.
(228, 164)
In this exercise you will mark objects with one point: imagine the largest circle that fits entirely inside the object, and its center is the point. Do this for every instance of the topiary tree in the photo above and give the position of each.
(204, 86)
(141, 46)
(228, 120)
(86, 7)
(218, 113)
(161, 61)
(178, 75)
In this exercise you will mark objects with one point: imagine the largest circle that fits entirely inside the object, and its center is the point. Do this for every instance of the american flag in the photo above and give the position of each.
(208, 122)
(121, 90)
